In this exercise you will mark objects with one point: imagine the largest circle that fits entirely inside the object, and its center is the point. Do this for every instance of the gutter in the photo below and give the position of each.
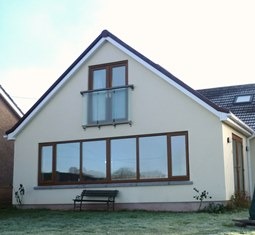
(237, 124)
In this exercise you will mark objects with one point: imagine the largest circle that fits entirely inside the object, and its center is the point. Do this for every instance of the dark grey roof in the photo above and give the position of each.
(225, 98)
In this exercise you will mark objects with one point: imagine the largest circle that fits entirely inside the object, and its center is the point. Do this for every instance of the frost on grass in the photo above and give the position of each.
(120, 222)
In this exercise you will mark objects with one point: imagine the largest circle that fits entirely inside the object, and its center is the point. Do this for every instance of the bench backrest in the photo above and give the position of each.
(99, 193)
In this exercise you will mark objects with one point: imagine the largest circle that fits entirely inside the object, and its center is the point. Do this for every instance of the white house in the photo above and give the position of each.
(116, 120)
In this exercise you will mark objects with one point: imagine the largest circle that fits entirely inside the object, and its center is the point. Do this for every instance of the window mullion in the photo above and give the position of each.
(187, 153)
(137, 159)
(108, 160)
(109, 94)
(40, 164)
(169, 156)
(109, 76)
(81, 151)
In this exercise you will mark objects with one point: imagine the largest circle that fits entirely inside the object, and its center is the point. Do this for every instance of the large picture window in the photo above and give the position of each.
(158, 157)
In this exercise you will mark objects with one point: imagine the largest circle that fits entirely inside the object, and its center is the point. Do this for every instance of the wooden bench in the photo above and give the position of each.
(106, 196)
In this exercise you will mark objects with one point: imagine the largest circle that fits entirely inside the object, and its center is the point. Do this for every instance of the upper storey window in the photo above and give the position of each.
(108, 75)
(107, 99)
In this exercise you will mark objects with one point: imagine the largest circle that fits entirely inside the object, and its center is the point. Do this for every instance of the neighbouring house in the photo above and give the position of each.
(9, 115)
(115, 119)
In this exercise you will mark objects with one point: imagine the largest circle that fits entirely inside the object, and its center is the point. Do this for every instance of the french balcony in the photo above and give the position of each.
(110, 106)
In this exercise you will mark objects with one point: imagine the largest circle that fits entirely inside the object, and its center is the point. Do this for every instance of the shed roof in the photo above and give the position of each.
(225, 97)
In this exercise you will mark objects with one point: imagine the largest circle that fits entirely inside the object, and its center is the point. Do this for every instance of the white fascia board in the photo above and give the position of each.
(166, 78)
(10, 102)
(233, 121)
(12, 135)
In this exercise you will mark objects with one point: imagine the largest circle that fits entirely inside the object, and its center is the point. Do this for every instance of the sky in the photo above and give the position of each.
(205, 43)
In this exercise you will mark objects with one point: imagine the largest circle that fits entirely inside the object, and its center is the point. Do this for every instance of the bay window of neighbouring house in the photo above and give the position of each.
(145, 158)
(107, 100)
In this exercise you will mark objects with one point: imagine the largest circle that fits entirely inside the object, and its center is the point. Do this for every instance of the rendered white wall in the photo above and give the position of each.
(228, 161)
(156, 107)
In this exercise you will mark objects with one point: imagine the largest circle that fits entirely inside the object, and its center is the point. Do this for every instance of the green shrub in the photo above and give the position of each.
(201, 196)
(216, 208)
(19, 194)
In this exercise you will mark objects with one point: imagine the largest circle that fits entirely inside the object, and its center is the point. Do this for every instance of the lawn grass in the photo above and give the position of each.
(13, 221)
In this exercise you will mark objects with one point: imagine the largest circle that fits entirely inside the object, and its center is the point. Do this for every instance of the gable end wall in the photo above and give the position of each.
(157, 107)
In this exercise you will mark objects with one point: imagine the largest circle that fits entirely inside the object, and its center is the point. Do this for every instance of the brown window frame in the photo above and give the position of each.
(108, 67)
(107, 95)
(108, 180)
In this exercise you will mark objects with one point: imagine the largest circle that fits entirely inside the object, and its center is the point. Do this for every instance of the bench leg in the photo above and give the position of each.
(75, 205)
(80, 205)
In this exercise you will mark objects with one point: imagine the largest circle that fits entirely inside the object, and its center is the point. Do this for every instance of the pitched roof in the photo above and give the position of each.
(226, 97)
(107, 36)
(10, 102)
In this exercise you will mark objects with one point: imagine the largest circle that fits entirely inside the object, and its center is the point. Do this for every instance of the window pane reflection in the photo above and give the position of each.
(68, 162)
(99, 79)
(98, 106)
(178, 153)
(123, 159)
(94, 160)
(153, 157)
(119, 76)
(119, 104)
(46, 163)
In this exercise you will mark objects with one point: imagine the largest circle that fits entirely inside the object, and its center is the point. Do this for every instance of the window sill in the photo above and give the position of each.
(138, 184)
(107, 124)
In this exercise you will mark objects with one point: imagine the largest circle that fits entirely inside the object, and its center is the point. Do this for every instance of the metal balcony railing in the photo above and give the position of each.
(110, 106)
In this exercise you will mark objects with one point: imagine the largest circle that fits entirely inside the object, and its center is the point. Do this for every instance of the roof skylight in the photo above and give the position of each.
(243, 99)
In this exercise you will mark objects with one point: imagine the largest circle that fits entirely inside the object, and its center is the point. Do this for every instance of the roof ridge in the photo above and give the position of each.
(224, 87)
(104, 34)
